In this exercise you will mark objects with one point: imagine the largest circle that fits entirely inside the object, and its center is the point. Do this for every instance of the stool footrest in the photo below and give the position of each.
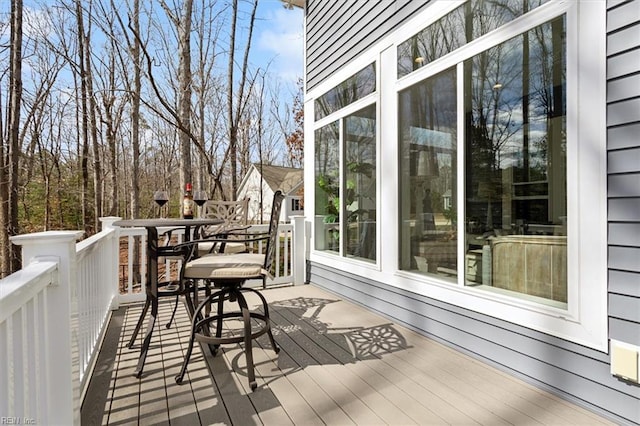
(212, 340)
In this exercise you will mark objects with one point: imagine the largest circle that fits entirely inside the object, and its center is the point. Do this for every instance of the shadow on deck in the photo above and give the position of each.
(338, 364)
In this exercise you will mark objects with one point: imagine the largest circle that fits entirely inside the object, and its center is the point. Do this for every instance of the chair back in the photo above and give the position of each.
(230, 212)
(270, 253)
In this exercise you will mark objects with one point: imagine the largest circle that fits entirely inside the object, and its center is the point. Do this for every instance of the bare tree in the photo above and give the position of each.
(237, 104)
(10, 148)
(93, 63)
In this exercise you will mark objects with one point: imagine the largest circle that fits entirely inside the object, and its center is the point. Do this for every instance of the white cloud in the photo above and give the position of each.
(281, 40)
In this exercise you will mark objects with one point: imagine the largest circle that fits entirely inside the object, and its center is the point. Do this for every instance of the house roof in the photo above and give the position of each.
(286, 179)
(297, 3)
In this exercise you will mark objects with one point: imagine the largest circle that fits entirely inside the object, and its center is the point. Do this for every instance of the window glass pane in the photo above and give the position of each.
(355, 87)
(327, 191)
(360, 183)
(462, 25)
(427, 137)
(515, 168)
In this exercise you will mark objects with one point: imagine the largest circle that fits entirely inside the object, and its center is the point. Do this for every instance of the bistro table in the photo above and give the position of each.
(153, 252)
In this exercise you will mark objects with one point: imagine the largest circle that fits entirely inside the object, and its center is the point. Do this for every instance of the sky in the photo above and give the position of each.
(279, 37)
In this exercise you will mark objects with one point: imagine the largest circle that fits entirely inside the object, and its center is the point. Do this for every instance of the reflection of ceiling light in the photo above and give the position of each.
(497, 86)
(419, 60)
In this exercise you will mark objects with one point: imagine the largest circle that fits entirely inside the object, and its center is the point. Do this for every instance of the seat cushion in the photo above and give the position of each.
(229, 248)
(211, 266)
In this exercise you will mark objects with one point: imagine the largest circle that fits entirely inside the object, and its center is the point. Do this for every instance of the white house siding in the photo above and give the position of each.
(575, 372)
(256, 189)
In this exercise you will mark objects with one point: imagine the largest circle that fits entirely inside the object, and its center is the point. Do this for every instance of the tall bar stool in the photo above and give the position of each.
(227, 273)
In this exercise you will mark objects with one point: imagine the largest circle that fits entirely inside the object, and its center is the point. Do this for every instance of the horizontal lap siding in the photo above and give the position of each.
(578, 373)
(623, 161)
(355, 26)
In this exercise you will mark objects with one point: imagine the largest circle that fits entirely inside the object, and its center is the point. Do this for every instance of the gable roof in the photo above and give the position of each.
(286, 179)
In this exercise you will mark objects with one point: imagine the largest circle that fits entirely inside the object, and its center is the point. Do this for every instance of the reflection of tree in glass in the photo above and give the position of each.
(464, 24)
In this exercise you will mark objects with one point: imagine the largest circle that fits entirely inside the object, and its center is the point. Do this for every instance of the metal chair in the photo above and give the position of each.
(234, 216)
(227, 273)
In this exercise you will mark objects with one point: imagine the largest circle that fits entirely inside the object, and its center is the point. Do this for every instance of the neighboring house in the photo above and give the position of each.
(473, 172)
(260, 183)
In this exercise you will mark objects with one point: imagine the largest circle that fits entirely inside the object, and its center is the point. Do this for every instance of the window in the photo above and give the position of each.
(515, 174)
(346, 190)
(516, 165)
(295, 205)
(512, 123)
(427, 116)
(493, 155)
(353, 88)
(473, 19)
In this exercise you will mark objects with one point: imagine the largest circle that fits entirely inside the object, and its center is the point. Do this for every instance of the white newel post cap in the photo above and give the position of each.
(107, 221)
(47, 243)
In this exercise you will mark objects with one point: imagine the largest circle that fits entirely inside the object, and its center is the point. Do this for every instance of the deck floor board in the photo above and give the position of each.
(338, 364)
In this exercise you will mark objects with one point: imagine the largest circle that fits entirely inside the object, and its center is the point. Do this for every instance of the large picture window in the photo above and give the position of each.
(516, 165)
(515, 174)
(427, 119)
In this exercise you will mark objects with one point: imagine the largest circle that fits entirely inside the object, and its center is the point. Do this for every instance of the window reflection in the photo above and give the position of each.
(360, 183)
(327, 191)
(427, 130)
(355, 87)
(515, 177)
(352, 201)
(473, 19)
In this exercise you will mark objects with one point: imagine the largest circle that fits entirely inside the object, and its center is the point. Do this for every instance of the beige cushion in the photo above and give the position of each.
(211, 266)
(229, 248)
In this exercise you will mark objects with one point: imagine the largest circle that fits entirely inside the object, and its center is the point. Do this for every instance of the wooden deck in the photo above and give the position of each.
(338, 364)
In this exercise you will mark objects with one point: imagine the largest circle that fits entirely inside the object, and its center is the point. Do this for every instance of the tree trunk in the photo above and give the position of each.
(9, 169)
(184, 95)
(135, 114)
(233, 129)
(93, 133)
(84, 122)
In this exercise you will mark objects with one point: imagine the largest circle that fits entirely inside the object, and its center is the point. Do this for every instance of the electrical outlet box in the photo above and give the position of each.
(625, 360)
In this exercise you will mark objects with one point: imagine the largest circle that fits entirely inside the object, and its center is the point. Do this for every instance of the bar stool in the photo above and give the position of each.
(227, 274)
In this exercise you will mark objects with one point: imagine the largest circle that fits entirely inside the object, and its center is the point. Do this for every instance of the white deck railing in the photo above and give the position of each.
(54, 313)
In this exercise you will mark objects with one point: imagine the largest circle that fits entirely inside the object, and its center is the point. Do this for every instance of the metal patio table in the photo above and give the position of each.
(153, 252)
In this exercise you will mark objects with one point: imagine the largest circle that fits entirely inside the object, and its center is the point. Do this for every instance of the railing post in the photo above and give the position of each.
(114, 257)
(299, 245)
(63, 377)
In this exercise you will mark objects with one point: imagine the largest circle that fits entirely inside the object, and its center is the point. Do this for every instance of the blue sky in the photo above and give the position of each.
(279, 37)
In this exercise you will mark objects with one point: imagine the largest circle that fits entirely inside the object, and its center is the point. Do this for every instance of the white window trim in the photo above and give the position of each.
(585, 320)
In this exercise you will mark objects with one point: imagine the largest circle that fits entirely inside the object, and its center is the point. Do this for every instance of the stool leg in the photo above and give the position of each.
(191, 303)
(147, 303)
(192, 338)
(248, 349)
(265, 308)
(214, 348)
(173, 314)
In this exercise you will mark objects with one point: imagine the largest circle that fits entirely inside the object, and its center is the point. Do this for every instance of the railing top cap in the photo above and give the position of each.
(46, 237)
